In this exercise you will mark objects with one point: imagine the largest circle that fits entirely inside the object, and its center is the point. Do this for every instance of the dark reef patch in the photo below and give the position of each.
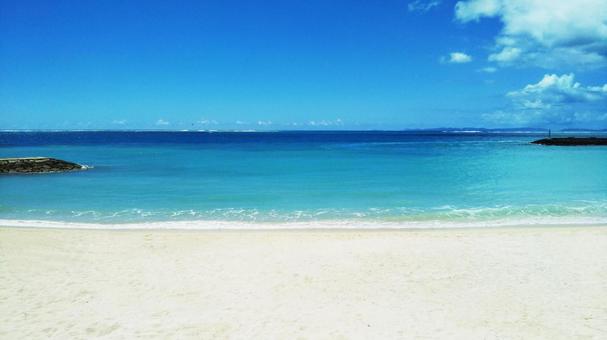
(37, 165)
(572, 141)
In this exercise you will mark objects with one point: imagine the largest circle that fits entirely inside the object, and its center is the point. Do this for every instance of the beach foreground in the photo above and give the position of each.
(466, 283)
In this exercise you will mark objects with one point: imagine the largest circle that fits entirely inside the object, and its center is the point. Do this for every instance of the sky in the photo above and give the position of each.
(302, 65)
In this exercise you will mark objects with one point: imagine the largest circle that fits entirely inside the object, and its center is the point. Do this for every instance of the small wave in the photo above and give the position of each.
(310, 225)
(537, 214)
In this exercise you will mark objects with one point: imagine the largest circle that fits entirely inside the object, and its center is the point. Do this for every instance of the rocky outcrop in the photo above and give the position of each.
(572, 141)
(36, 165)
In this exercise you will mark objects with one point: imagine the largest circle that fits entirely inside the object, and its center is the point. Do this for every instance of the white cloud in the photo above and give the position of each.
(506, 55)
(457, 58)
(489, 69)
(473, 10)
(119, 121)
(422, 6)
(545, 33)
(560, 89)
(264, 122)
(336, 122)
(558, 100)
(208, 122)
(162, 122)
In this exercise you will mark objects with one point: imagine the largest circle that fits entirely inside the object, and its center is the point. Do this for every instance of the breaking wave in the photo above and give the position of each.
(443, 216)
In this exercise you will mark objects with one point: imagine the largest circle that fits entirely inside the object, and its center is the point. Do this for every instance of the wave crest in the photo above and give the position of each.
(595, 211)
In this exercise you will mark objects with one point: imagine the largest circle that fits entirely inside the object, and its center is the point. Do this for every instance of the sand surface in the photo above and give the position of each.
(506, 283)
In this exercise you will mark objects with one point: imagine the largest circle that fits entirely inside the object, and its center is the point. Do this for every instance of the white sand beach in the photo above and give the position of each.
(493, 283)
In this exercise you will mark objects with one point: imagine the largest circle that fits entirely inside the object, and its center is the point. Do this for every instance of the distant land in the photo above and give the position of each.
(584, 130)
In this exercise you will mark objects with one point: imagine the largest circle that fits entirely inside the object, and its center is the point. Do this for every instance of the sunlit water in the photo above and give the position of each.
(303, 176)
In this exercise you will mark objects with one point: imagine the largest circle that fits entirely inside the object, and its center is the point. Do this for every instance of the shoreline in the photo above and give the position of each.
(330, 225)
(548, 282)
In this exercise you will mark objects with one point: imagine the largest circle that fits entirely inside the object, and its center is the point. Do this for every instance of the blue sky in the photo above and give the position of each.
(302, 64)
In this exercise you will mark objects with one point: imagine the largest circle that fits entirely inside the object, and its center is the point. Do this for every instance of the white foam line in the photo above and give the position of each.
(315, 225)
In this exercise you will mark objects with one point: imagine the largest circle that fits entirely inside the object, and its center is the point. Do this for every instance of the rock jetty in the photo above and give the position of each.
(36, 165)
(572, 141)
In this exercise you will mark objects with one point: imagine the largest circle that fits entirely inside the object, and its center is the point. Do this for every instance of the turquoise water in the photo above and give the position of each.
(277, 177)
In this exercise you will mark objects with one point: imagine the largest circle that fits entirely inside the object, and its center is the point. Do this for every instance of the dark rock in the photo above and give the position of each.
(36, 165)
(572, 141)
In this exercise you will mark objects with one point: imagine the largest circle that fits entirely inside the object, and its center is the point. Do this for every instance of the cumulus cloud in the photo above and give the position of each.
(506, 55)
(560, 90)
(422, 6)
(457, 58)
(119, 121)
(555, 99)
(545, 33)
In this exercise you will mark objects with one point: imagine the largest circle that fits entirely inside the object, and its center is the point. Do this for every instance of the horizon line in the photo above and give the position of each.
(433, 129)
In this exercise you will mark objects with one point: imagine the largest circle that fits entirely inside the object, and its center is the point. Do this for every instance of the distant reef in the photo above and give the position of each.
(572, 141)
(34, 165)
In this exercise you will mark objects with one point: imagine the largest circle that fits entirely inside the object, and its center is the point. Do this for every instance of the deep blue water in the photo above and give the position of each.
(304, 176)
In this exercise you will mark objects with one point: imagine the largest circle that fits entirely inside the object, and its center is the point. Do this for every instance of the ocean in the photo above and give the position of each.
(374, 178)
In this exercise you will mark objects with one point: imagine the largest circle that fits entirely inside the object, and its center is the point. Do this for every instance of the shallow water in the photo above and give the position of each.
(399, 177)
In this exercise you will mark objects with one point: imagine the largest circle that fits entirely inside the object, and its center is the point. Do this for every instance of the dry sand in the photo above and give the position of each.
(506, 283)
